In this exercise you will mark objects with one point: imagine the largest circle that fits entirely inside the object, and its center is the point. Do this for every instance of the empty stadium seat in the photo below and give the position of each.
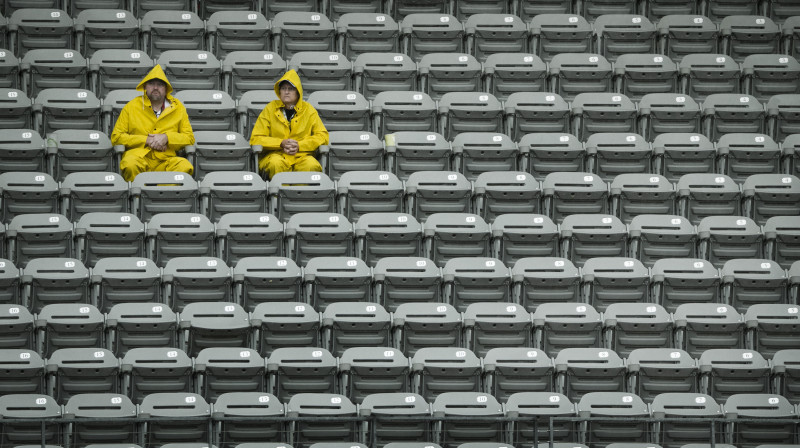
(390, 432)
(365, 371)
(213, 324)
(575, 73)
(744, 35)
(398, 280)
(174, 417)
(781, 240)
(770, 419)
(423, 33)
(656, 237)
(703, 326)
(631, 326)
(147, 370)
(310, 235)
(539, 112)
(600, 404)
(105, 29)
(347, 325)
(147, 324)
(170, 29)
(243, 72)
(656, 371)
(672, 114)
(75, 371)
(701, 195)
(676, 154)
(610, 154)
(704, 74)
(569, 193)
(419, 325)
(229, 30)
(38, 236)
(296, 191)
(639, 75)
(32, 28)
(380, 235)
(100, 235)
(587, 236)
(352, 151)
(285, 325)
(750, 281)
(506, 73)
(474, 405)
(22, 149)
(685, 405)
(342, 110)
(367, 192)
(232, 191)
(581, 371)
(536, 410)
(220, 370)
(17, 331)
(240, 418)
(30, 409)
(54, 280)
(300, 370)
(336, 279)
(770, 328)
(556, 32)
(305, 433)
(242, 235)
(560, 326)
(539, 280)
(82, 410)
(211, 110)
(23, 372)
(260, 280)
(489, 325)
(366, 32)
(724, 238)
(617, 33)
(154, 192)
(58, 108)
(301, 30)
(431, 192)
(172, 235)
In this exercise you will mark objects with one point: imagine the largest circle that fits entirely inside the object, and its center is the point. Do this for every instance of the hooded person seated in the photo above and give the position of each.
(153, 127)
(289, 129)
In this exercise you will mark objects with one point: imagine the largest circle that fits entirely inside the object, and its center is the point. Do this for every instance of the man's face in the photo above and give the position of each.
(289, 94)
(156, 90)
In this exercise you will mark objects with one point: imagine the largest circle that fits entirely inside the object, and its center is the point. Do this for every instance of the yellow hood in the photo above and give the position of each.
(294, 79)
(155, 73)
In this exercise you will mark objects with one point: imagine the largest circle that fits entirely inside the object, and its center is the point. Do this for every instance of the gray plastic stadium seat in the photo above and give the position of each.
(23, 192)
(243, 235)
(587, 236)
(785, 373)
(336, 279)
(224, 192)
(704, 74)
(703, 326)
(743, 35)
(285, 324)
(391, 433)
(551, 152)
(724, 238)
(781, 240)
(297, 370)
(630, 326)
(506, 73)
(706, 194)
(664, 114)
(112, 105)
(534, 113)
(258, 280)
(125, 279)
(600, 432)
(453, 235)
(39, 235)
(745, 154)
(31, 27)
(296, 191)
(154, 192)
(23, 372)
(17, 330)
(752, 281)
(251, 407)
(174, 417)
(100, 235)
(493, 325)
(434, 192)
(656, 371)
(380, 235)
(685, 405)
(31, 409)
(352, 151)
(344, 110)
(474, 429)
(121, 412)
(397, 111)
(522, 235)
(210, 111)
(424, 33)
(133, 325)
(69, 325)
(105, 29)
(769, 195)
(773, 420)
(442, 73)
(230, 30)
(74, 371)
(412, 151)
(398, 280)
(538, 280)
(676, 154)
(477, 153)
(656, 237)
(512, 370)
(22, 149)
(243, 72)
(304, 434)
(771, 328)
(171, 29)
(475, 279)
(54, 280)
(553, 33)
(218, 370)
(9, 64)
(297, 31)
(614, 153)
(560, 326)
(569, 193)
(420, 325)
(347, 325)
(639, 75)
(364, 371)
(147, 370)
(580, 371)
(575, 73)
(469, 111)
(767, 75)
(362, 192)
(196, 279)
(310, 235)
(81, 150)
(366, 32)
(536, 409)
(213, 324)
(634, 194)
(493, 32)
(173, 235)
(782, 116)
(724, 372)
(618, 33)
(323, 71)
(16, 115)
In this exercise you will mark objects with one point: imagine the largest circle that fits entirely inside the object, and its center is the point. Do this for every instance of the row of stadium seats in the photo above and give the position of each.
(697, 75)
(385, 420)
(357, 371)
(393, 281)
(289, 32)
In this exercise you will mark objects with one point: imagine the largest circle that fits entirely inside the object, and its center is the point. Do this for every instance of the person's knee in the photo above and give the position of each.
(178, 164)
(308, 163)
(131, 165)
(272, 164)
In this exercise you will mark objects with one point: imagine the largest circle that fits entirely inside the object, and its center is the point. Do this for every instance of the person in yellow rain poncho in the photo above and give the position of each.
(152, 127)
(289, 129)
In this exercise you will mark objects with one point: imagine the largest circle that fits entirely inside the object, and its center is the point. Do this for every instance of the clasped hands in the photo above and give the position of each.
(290, 146)
(159, 142)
